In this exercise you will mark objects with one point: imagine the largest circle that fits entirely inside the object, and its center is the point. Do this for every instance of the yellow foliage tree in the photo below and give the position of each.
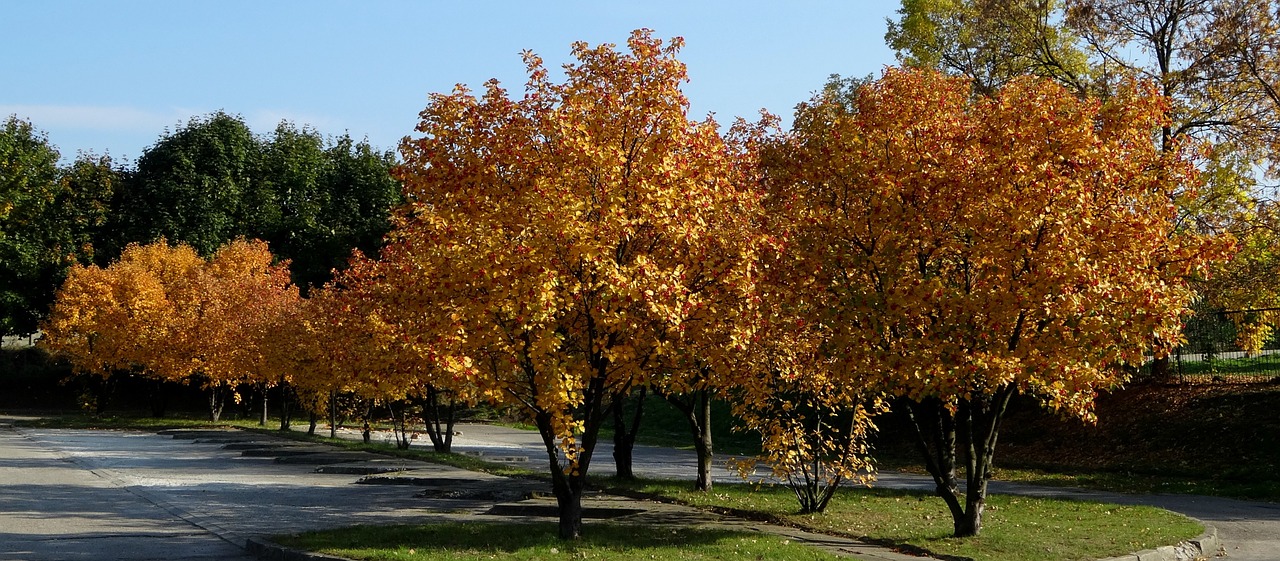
(572, 234)
(970, 248)
(170, 315)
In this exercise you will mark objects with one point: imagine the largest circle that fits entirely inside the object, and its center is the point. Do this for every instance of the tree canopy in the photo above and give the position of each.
(972, 247)
(571, 235)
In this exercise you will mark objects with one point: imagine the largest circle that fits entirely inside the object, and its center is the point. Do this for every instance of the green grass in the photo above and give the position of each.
(1146, 483)
(124, 421)
(605, 542)
(1265, 366)
(1015, 528)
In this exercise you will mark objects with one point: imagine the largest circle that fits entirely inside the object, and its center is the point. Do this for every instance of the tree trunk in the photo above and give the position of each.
(286, 411)
(569, 501)
(697, 412)
(102, 389)
(158, 398)
(439, 426)
(624, 434)
(702, 442)
(333, 414)
(569, 484)
(262, 420)
(1160, 369)
(974, 426)
(216, 402)
(400, 424)
(313, 419)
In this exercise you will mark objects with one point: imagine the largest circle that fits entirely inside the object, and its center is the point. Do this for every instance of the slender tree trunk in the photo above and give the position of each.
(624, 433)
(102, 390)
(702, 443)
(286, 410)
(439, 424)
(158, 398)
(333, 414)
(974, 426)
(312, 419)
(400, 423)
(697, 412)
(216, 402)
(366, 430)
(262, 420)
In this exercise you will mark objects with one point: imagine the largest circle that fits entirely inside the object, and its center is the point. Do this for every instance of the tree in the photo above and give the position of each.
(88, 187)
(1216, 60)
(30, 262)
(572, 234)
(244, 298)
(123, 317)
(974, 247)
(332, 197)
(199, 185)
(172, 316)
(991, 42)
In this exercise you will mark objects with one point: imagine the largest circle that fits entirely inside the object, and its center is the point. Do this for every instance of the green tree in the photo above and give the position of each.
(29, 190)
(361, 193)
(199, 185)
(332, 197)
(84, 206)
(989, 41)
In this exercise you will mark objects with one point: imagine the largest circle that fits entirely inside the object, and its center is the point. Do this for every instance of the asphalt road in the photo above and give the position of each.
(118, 495)
(75, 494)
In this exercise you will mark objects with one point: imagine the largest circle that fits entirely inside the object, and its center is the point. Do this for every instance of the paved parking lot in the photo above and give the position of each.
(79, 494)
(122, 495)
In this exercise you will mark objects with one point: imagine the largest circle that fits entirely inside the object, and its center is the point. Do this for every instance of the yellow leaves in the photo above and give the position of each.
(173, 314)
(966, 243)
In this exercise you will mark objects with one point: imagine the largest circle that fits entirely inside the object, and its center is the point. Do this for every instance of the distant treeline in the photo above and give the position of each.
(314, 198)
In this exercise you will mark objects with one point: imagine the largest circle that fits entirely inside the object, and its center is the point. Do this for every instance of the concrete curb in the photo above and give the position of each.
(1206, 546)
(266, 549)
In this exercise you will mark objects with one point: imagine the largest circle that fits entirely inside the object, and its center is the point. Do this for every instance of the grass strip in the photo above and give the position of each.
(458, 541)
(1146, 482)
(1015, 528)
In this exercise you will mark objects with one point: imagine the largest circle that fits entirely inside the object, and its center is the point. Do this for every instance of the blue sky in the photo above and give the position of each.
(112, 76)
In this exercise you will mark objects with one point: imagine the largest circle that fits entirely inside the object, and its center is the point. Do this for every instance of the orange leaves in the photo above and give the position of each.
(969, 243)
(576, 236)
(168, 312)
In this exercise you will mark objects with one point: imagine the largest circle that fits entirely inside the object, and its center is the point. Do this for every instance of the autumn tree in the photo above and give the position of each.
(125, 317)
(164, 312)
(975, 247)
(574, 231)
(991, 42)
(244, 298)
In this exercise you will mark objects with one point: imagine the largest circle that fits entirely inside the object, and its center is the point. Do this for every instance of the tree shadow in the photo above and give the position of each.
(512, 536)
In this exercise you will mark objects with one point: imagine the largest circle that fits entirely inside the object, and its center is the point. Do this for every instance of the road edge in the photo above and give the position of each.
(1206, 546)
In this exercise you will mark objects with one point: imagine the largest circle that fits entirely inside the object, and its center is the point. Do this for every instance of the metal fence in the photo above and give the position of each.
(1212, 352)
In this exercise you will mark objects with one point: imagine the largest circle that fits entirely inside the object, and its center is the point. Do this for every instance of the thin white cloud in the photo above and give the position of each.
(132, 119)
(102, 118)
(264, 121)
